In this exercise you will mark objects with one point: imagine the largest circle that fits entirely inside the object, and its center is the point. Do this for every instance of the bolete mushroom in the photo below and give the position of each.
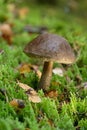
(49, 47)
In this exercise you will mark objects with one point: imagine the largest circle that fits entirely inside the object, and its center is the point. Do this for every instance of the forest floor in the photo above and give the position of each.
(64, 106)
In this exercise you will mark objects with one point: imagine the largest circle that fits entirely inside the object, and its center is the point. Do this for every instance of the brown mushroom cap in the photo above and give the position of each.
(50, 47)
(6, 29)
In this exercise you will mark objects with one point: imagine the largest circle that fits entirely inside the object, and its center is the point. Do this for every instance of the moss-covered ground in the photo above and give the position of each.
(68, 111)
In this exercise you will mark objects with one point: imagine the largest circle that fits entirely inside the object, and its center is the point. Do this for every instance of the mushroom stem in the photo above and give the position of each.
(46, 76)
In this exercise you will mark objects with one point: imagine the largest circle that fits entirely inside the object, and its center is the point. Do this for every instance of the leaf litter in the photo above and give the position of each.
(32, 94)
(26, 68)
(17, 103)
(58, 71)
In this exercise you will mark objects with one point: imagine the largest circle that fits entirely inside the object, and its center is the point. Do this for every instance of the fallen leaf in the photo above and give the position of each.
(32, 94)
(33, 67)
(37, 71)
(24, 68)
(58, 71)
(23, 86)
(52, 94)
(6, 32)
(17, 103)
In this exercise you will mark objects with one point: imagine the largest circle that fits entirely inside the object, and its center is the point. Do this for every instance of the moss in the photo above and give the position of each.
(69, 110)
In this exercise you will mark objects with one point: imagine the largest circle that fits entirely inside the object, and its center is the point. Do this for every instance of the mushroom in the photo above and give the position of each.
(6, 32)
(49, 47)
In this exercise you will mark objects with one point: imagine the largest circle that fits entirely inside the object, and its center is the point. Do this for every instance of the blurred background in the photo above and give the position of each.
(64, 17)
(76, 7)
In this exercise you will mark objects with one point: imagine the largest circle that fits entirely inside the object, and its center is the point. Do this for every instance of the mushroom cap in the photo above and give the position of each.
(5, 29)
(50, 47)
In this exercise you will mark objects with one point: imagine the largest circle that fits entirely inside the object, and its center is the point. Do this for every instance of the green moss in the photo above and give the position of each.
(69, 110)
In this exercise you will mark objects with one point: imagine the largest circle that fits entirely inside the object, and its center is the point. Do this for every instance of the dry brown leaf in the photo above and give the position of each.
(33, 67)
(34, 98)
(58, 71)
(32, 94)
(52, 94)
(38, 72)
(6, 32)
(17, 103)
(24, 86)
(24, 68)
